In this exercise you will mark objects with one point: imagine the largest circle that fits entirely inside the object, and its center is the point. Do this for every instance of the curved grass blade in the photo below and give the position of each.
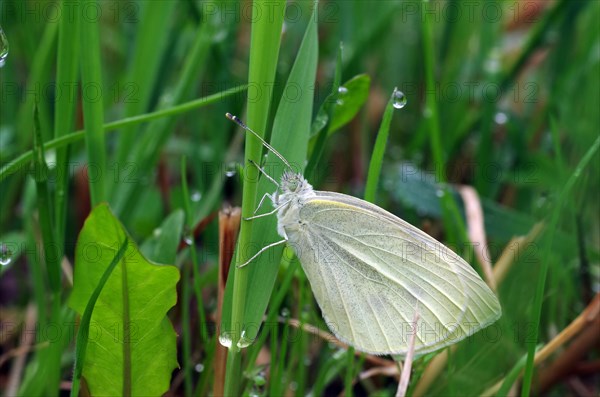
(21, 162)
(84, 326)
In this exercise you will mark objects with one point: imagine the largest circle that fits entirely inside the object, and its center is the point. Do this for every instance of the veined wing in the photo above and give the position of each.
(370, 271)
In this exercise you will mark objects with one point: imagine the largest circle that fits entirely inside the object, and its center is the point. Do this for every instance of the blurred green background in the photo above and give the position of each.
(503, 96)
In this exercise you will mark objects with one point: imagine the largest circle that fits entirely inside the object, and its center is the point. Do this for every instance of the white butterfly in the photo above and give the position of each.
(370, 271)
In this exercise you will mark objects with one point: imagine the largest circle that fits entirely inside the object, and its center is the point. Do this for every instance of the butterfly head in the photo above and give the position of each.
(293, 182)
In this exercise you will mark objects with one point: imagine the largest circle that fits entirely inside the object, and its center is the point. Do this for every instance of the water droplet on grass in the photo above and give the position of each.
(3, 47)
(225, 339)
(399, 99)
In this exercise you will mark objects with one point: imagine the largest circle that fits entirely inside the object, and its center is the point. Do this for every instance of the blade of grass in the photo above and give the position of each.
(22, 162)
(541, 282)
(189, 216)
(454, 224)
(93, 110)
(186, 331)
(319, 146)
(185, 310)
(534, 40)
(51, 254)
(195, 280)
(291, 129)
(67, 69)
(274, 307)
(149, 51)
(264, 52)
(512, 377)
(39, 76)
(379, 151)
(147, 149)
(84, 325)
(40, 70)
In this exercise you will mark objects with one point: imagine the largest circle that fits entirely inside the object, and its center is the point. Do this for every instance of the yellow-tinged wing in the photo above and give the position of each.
(370, 271)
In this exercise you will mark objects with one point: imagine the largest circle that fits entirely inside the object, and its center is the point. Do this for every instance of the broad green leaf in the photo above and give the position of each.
(131, 347)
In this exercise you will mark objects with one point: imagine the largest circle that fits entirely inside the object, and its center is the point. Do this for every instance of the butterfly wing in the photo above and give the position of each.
(370, 272)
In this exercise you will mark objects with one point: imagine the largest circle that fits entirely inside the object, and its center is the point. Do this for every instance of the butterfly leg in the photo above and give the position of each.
(262, 250)
(266, 213)
(261, 202)
(262, 171)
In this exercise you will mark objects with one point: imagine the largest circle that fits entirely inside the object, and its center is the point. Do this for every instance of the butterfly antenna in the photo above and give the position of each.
(265, 144)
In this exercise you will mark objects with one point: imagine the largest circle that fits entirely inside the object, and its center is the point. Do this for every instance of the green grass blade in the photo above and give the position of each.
(264, 53)
(21, 162)
(379, 150)
(326, 113)
(84, 324)
(511, 378)
(455, 227)
(40, 175)
(149, 51)
(147, 149)
(93, 110)
(51, 253)
(195, 279)
(67, 69)
(541, 282)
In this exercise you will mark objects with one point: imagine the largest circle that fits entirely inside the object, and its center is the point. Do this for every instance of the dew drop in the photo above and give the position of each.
(225, 340)
(244, 341)
(399, 99)
(342, 90)
(339, 102)
(188, 239)
(196, 196)
(231, 170)
(157, 232)
(5, 255)
(199, 367)
(439, 193)
(285, 312)
(3, 47)
(500, 118)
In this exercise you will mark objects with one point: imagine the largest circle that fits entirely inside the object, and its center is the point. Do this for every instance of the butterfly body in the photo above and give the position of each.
(381, 283)
(371, 272)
